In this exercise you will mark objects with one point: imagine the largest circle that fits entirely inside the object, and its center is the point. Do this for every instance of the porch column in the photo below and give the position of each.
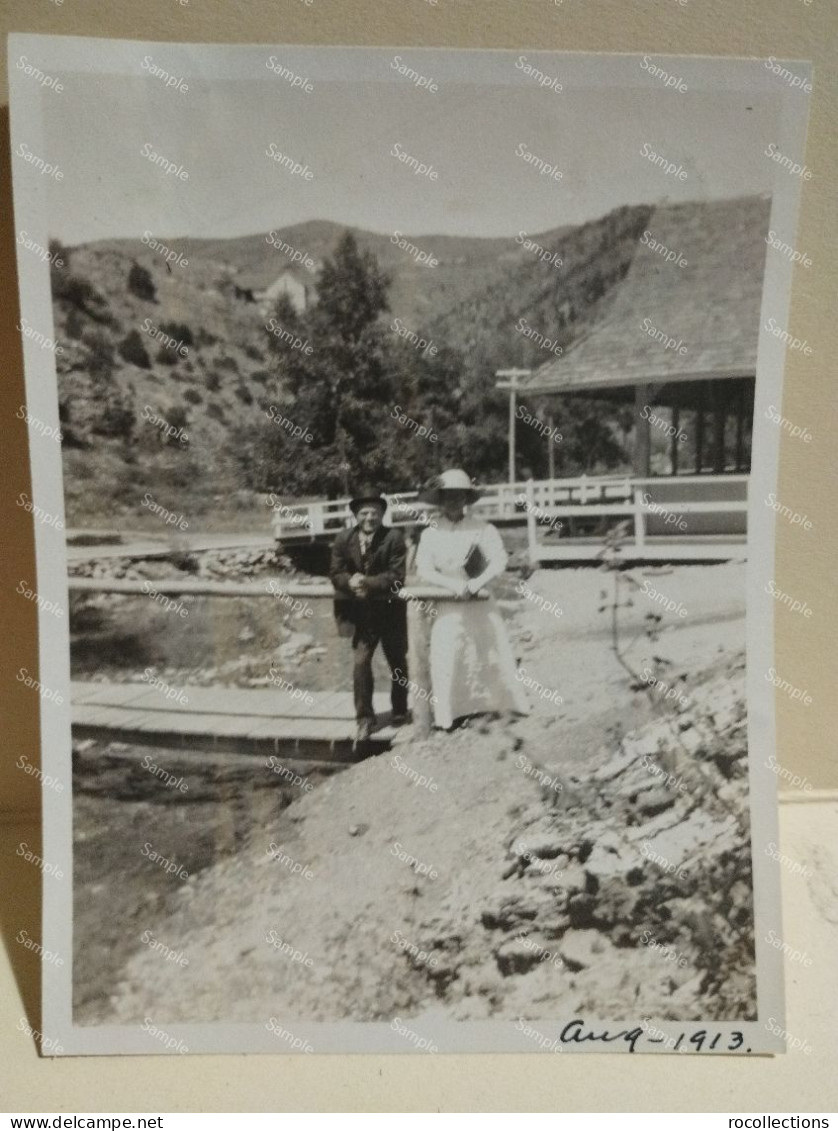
(740, 425)
(699, 429)
(719, 421)
(673, 448)
(641, 457)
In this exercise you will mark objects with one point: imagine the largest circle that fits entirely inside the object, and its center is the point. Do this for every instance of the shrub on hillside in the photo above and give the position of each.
(141, 284)
(212, 381)
(132, 349)
(166, 356)
(179, 331)
(216, 412)
(192, 396)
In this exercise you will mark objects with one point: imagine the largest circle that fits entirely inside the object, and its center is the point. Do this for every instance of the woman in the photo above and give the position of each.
(472, 665)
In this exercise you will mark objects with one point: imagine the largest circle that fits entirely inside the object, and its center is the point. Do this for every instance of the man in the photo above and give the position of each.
(367, 571)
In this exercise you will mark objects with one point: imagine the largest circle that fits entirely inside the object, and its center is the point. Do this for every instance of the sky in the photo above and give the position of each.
(470, 130)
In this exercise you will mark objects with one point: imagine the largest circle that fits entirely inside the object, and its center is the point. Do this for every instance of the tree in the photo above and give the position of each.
(132, 349)
(140, 283)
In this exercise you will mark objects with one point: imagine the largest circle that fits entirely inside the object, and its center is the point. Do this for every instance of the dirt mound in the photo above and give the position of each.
(499, 885)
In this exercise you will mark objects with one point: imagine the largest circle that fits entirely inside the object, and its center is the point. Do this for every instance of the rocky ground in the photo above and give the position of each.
(593, 856)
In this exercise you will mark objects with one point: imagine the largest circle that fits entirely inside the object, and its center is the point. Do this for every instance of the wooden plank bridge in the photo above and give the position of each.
(230, 720)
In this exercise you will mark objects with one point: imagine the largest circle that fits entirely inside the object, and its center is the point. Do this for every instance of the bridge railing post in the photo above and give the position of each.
(419, 667)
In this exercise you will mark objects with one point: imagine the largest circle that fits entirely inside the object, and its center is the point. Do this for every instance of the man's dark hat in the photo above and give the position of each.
(367, 495)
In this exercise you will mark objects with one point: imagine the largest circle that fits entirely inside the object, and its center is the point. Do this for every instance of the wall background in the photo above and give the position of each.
(805, 652)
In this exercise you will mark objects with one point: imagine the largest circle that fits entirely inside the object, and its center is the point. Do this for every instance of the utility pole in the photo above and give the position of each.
(512, 386)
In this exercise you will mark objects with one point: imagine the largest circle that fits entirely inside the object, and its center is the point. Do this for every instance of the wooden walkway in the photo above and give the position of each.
(229, 719)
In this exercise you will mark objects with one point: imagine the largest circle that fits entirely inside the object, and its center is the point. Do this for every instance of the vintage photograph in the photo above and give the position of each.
(407, 408)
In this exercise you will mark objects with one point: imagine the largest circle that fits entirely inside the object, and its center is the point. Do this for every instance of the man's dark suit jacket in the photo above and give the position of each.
(384, 569)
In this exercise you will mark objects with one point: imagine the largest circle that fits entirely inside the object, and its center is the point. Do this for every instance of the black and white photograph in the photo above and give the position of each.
(404, 432)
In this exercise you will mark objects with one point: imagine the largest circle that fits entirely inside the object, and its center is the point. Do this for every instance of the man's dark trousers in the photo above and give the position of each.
(379, 617)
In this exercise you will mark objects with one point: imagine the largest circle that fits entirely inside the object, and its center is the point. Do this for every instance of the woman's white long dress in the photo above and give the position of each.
(472, 664)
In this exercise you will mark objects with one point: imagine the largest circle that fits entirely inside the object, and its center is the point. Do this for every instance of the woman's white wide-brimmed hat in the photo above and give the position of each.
(455, 479)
